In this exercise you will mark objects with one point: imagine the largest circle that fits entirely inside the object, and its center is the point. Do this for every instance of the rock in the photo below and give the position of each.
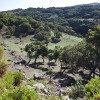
(12, 53)
(30, 87)
(19, 69)
(66, 98)
(6, 48)
(16, 62)
(16, 42)
(41, 87)
(9, 60)
(27, 78)
(38, 76)
(42, 95)
(23, 74)
(63, 92)
(27, 66)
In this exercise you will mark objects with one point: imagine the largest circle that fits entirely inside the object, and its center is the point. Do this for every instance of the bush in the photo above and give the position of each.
(31, 81)
(55, 40)
(77, 90)
(1, 52)
(17, 78)
(9, 80)
(3, 64)
(20, 93)
(3, 67)
(92, 89)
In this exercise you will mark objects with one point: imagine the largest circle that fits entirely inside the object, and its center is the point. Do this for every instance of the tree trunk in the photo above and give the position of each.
(35, 60)
(61, 67)
(29, 61)
(63, 70)
(50, 78)
(43, 59)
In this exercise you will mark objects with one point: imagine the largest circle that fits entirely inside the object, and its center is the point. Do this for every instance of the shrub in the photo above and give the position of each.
(1, 52)
(30, 82)
(3, 64)
(55, 40)
(77, 90)
(20, 93)
(17, 78)
(9, 80)
(92, 89)
(3, 67)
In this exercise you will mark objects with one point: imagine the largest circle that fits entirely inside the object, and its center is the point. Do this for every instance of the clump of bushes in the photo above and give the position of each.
(10, 80)
(20, 93)
(92, 89)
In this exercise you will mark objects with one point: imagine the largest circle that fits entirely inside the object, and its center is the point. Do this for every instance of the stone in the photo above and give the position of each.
(19, 69)
(66, 98)
(6, 48)
(38, 76)
(41, 87)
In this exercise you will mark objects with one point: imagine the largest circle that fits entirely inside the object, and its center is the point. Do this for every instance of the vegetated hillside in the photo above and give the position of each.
(74, 20)
(80, 17)
(62, 64)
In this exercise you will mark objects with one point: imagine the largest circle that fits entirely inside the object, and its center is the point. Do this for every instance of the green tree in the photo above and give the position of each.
(35, 50)
(29, 48)
(40, 50)
(56, 54)
(70, 56)
(43, 36)
(10, 30)
(24, 28)
(93, 37)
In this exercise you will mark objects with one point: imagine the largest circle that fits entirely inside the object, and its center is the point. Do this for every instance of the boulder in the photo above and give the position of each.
(41, 87)
(66, 98)
(6, 48)
(38, 76)
(19, 69)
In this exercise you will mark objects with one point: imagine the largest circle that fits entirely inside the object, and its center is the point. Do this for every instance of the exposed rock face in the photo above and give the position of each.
(37, 76)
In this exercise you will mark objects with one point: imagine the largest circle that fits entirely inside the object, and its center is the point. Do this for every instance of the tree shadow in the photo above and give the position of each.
(84, 76)
(23, 62)
(51, 64)
(37, 64)
(68, 81)
(59, 75)
(64, 79)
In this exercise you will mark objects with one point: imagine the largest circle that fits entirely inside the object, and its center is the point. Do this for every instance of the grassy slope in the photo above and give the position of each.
(65, 41)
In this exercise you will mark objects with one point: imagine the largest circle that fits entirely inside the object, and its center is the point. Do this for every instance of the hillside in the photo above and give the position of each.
(84, 16)
(75, 20)
(50, 53)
